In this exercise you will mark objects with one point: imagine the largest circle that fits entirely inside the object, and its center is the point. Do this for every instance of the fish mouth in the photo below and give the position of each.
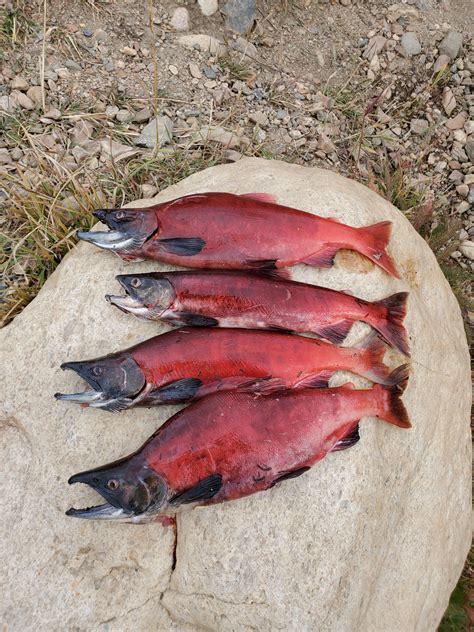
(96, 397)
(127, 304)
(114, 240)
(106, 511)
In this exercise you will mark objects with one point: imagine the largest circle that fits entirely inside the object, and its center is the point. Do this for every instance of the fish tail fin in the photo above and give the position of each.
(373, 242)
(392, 409)
(376, 371)
(391, 327)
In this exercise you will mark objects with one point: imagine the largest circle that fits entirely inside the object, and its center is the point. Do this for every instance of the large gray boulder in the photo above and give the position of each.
(371, 539)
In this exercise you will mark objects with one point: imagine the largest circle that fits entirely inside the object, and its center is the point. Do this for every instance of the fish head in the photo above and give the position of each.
(132, 490)
(116, 381)
(128, 230)
(147, 295)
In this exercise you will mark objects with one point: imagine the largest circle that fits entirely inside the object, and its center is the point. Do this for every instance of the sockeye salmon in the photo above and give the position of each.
(232, 445)
(223, 230)
(187, 364)
(262, 300)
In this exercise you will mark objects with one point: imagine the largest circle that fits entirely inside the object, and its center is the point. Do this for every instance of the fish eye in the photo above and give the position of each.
(120, 215)
(113, 484)
(97, 370)
(136, 282)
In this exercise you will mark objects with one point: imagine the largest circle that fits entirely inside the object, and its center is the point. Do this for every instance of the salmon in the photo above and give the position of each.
(227, 231)
(231, 445)
(188, 364)
(261, 300)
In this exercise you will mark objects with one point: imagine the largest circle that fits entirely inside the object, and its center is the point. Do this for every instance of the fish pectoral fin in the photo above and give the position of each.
(348, 441)
(323, 258)
(284, 476)
(178, 391)
(260, 197)
(273, 273)
(317, 380)
(203, 490)
(183, 246)
(336, 332)
(196, 320)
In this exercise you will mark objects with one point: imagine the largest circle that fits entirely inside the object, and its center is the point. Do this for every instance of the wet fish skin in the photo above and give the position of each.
(231, 445)
(223, 230)
(188, 364)
(259, 300)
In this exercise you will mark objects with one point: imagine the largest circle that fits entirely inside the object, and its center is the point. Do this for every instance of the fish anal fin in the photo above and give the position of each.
(273, 273)
(319, 380)
(348, 441)
(284, 476)
(323, 258)
(260, 197)
(196, 320)
(202, 490)
(182, 246)
(335, 333)
(175, 392)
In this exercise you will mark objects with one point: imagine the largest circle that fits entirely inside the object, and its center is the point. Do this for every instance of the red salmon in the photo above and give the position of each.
(187, 364)
(223, 230)
(232, 445)
(263, 300)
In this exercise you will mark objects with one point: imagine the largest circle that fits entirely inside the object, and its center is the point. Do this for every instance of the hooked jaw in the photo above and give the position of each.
(128, 303)
(116, 383)
(132, 491)
(148, 296)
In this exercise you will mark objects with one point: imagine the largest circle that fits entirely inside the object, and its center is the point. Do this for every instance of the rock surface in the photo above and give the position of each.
(373, 538)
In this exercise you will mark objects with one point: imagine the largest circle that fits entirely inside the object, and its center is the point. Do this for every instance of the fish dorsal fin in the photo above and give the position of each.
(260, 197)
(194, 197)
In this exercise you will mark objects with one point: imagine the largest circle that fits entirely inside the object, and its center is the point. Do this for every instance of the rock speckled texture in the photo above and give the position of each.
(371, 539)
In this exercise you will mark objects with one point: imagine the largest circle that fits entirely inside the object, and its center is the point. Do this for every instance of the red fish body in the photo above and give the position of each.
(250, 231)
(259, 301)
(187, 364)
(232, 445)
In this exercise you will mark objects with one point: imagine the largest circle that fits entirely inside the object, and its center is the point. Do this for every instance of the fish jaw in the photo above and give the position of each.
(130, 488)
(114, 240)
(112, 400)
(128, 305)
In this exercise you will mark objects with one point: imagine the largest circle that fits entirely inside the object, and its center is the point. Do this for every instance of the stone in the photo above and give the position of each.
(204, 43)
(194, 70)
(19, 83)
(5, 158)
(260, 118)
(81, 132)
(312, 549)
(457, 122)
(208, 7)
(124, 116)
(36, 95)
(419, 126)
(410, 44)
(216, 134)
(148, 190)
(441, 62)
(7, 104)
(130, 52)
(53, 113)
(113, 151)
(23, 100)
(142, 116)
(469, 147)
(448, 101)
(151, 137)
(180, 19)
(240, 15)
(173, 70)
(467, 249)
(111, 111)
(375, 46)
(451, 44)
(462, 190)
